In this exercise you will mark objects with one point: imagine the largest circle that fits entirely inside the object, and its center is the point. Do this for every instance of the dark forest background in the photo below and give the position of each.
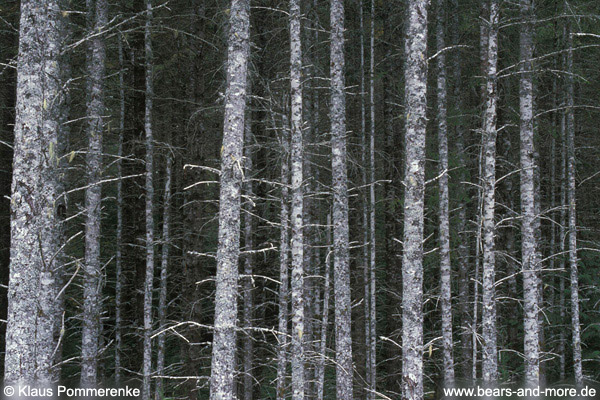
(189, 39)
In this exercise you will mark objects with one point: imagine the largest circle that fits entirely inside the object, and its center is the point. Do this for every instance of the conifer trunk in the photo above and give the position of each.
(444, 202)
(31, 336)
(528, 212)
(149, 207)
(490, 351)
(224, 340)
(412, 258)
(92, 286)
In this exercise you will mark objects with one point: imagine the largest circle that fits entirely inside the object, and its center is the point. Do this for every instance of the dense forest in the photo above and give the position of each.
(305, 199)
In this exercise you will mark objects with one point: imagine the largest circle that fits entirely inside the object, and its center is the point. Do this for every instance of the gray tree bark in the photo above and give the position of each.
(320, 368)
(297, 212)
(149, 211)
(537, 229)
(224, 340)
(248, 282)
(284, 266)
(164, 266)
(484, 33)
(562, 340)
(62, 148)
(415, 76)
(372, 237)
(553, 215)
(444, 201)
(572, 218)
(31, 334)
(92, 285)
(476, 285)
(369, 250)
(341, 265)
(119, 239)
(490, 351)
(528, 212)
(483, 42)
(364, 201)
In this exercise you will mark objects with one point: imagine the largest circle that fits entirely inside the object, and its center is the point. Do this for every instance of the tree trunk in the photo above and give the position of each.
(62, 148)
(537, 230)
(224, 340)
(463, 249)
(31, 337)
(553, 215)
(572, 218)
(284, 265)
(444, 202)
(372, 241)
(159, 392)
(412, 259)
(343, 339)
(490, 351)
(476, 284)
(484, 36)
(562, 340)
(92, 286)
(248, 281)
(528, 213)
(119, 239)
(364, 203)
(297, 239)
(325, 318)
(310, 214)
(149, 189)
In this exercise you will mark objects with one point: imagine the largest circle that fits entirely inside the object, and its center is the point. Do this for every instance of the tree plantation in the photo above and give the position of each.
(300, 199)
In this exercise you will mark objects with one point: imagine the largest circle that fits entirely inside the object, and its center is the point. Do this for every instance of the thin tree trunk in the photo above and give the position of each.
(343, 339)
(164, 264)
(562, 340)
(62, 148)
(284, 265)
(412, 259)
(572, 218)
(365, 204)
(149, 212)
(310, 217)
(248, 281)
(490, 351)
(224, 339)
(119, 239)
(463, 249)
(325, 318)
(372, 242)
(297, 212)
(511, 268)
(528, 213)
(31, 341)
(484, 37)
(313, 174)
(484, 34)
(476, 284)
(444, 202)
(552, 251)
(537, 230)
(92, 286)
